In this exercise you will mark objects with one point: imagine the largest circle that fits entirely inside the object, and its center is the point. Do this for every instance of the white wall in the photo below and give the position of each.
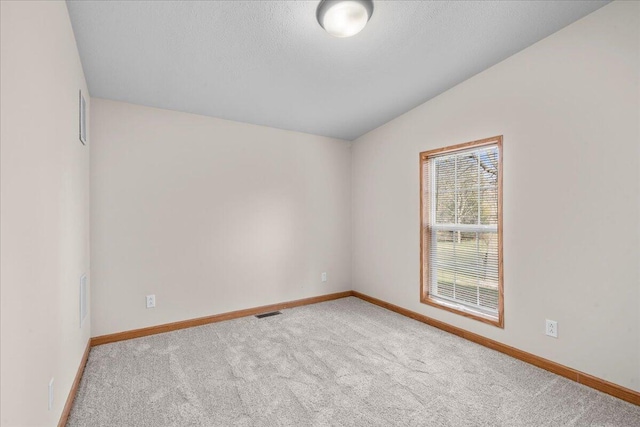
(211, 215)
(44, 215)
(568, 108)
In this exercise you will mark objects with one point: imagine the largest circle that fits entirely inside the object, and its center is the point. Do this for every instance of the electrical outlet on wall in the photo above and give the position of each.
(552, 328)
(151, 301)
(83, 299)
(323, 276)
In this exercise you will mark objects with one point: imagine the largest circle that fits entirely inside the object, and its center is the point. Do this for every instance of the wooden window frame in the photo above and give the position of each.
(425, 297)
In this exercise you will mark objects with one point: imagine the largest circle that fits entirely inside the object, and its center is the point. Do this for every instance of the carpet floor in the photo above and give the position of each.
(342, 363)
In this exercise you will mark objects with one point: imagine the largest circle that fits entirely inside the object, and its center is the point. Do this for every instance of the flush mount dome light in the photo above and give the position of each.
(344, 18)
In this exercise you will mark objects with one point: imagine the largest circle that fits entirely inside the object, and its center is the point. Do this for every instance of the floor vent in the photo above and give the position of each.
(273, 313)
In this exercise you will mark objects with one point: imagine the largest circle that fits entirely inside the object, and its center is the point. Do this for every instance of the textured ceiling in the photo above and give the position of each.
(270, 63)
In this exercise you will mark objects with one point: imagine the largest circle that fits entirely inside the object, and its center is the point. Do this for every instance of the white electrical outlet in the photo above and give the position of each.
(323, 277)
(51, 394)
(552, 328)
(151, 301)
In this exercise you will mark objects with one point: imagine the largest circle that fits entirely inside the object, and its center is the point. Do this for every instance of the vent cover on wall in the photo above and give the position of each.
(83, 120)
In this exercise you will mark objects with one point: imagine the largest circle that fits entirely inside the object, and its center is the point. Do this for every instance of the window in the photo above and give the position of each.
(461, 231)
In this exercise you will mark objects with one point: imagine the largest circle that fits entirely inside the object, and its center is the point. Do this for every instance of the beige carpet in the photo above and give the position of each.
(343, 363)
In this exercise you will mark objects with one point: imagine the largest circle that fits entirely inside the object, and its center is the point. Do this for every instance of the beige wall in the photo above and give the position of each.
(568, 108)
(44, 216)
(210, 215)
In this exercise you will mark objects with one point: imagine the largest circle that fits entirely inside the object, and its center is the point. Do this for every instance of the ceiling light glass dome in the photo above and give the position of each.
(344, 18)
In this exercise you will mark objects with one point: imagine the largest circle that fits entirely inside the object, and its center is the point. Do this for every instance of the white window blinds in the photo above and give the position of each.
(461, 242)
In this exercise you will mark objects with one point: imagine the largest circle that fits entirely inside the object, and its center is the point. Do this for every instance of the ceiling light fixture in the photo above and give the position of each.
(344, 18)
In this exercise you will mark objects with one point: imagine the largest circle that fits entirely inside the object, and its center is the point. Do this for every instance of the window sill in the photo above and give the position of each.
(463, 311)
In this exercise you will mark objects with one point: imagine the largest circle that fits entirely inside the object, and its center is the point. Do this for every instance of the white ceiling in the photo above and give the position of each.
(270, 63)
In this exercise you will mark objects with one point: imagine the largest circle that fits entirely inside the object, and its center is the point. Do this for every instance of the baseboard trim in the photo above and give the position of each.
(168, 327)
(74, 388)
(599, 384)
(615, 390)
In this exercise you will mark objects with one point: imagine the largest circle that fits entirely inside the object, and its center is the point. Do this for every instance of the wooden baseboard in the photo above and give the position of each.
(615, 390)
(74, 388)
(167, 327)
